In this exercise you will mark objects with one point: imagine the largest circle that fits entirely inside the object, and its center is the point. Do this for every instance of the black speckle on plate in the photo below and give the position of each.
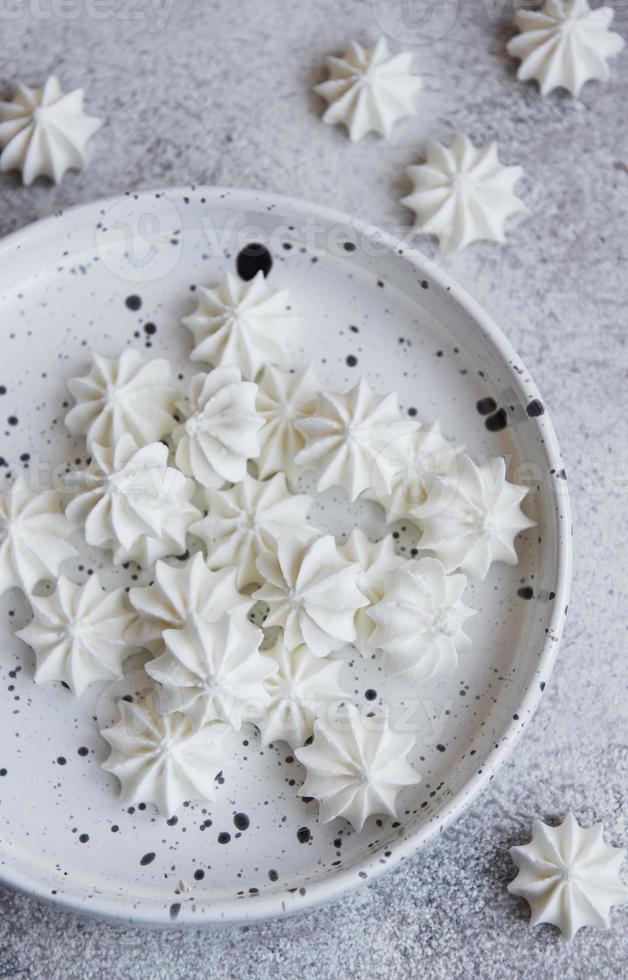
(253, 258)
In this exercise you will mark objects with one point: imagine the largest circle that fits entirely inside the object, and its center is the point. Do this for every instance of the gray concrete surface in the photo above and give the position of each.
(219, 92)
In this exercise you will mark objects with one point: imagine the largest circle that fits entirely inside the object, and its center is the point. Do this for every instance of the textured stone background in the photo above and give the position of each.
(218, 91)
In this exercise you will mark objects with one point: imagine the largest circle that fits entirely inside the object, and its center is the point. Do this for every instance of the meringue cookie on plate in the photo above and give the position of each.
(220, 431)
(369, 89)
(284, 398)
(376, 560)
(357, 767)
(44, 132)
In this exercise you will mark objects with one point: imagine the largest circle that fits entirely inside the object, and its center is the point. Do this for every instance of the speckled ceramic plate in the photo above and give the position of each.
(123, 272)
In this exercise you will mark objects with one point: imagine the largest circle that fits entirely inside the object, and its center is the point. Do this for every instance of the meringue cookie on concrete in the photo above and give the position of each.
(312, 593)
(79, 634)
(34, 537)
(463, 194)
(241, 324)
(221, 428)
(369, 89)
(568, 876)
(120, 395)
(565, 44)
(284, 398)
(247, 521)
(376, 560)
(356, 768)
(44, 132)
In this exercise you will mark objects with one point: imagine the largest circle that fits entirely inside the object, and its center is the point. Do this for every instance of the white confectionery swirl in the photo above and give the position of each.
(463, 194)
(476, 519)
(128, 496)
(248, 520)
(163, 759)
(369, 89)
(34, 536)
(568, 876)
(44, 132)
(120, 395)
(416, 462)
(176, 593)
(420, 621)
(213, 671)
(79, 634)
(241, 324)
(304, 688)
(564, 44)
(347, 436)
(356, 767)
(312, 592)
(283, 399)
(220, 428)
(376, 560)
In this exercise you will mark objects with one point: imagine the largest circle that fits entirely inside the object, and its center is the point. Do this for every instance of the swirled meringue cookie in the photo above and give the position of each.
(176, 593)
(565, 44)
(163, 759)
(568, 876)
(129, 496)
(369, 89)
(356, 767)
(419, 621)
(34, 537)
(221, 428)
(213, 671)
(44, 132)
(463, 194)
(79, 634)
(284, 398)
(376, 560)
(120, 395)
(312, 593)
(303, 688)
(347, 435)
(247, 521)
(476, 518)
(241, 324)
(416, 462)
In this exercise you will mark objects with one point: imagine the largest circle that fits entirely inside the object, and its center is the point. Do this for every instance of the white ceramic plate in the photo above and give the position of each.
(368, 306)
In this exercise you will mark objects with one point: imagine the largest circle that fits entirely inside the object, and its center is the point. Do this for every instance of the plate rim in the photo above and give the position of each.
(283, 903)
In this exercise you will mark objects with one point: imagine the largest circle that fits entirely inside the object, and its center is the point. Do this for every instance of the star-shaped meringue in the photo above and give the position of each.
(241, 324)
(376, 560)
(565, 44)
(284, 398)
(369, 89)
(44, 132)
(463, 194)
(568, 876)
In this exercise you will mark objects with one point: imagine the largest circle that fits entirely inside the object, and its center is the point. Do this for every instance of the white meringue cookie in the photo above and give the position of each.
(565, 44)
(34, 537)
(356, 767)
(127, 494)
(304, 688)
(568, 876)
(247, 521)
(44, 132)
(476, 518)
(419, 621)
(312, 593)
(221, 428)
(162, 759)
(376, 560)
(241, 324)
(78, 634)
(369, 89)
(463, 194)
(179, 591)
(347, 436)
(213, 671)
(120, 395)
(283, 399)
